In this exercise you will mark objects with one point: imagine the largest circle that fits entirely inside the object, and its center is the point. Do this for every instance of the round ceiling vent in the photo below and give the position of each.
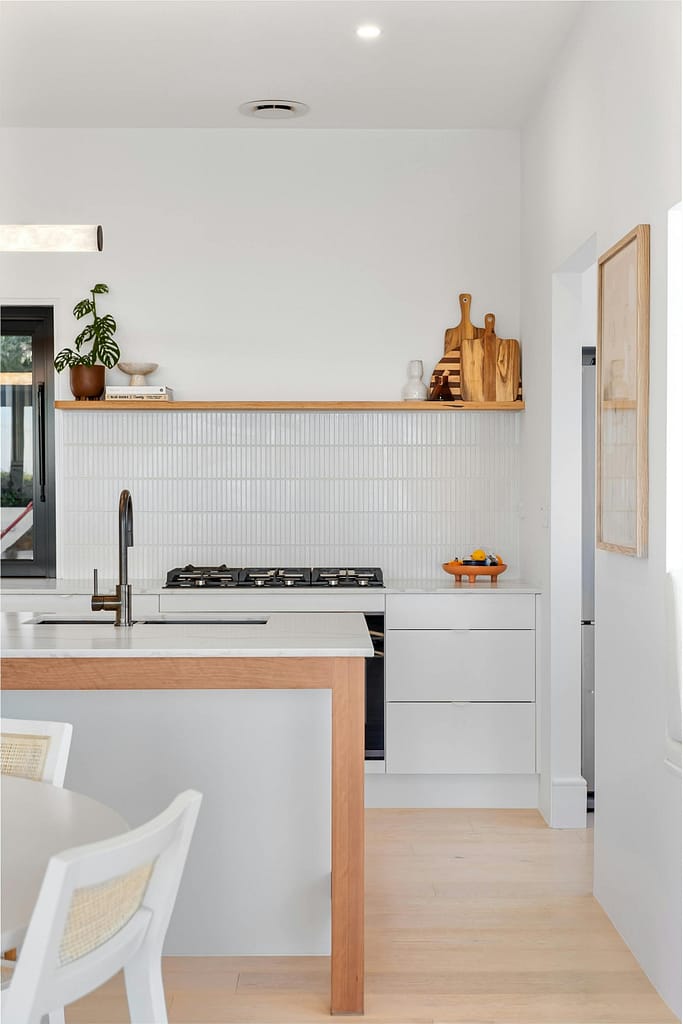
(274, 110)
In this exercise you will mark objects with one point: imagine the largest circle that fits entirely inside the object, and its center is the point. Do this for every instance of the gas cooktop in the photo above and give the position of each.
(222, 576)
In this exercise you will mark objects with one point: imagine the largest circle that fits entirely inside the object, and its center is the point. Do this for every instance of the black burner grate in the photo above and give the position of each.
(203, 576)
(222, 576)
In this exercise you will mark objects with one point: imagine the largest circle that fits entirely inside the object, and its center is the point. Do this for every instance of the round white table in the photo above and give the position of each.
(39, 820)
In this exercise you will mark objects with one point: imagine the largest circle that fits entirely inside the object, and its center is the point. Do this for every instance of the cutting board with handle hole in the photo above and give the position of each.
(450, 363)
(491, 366)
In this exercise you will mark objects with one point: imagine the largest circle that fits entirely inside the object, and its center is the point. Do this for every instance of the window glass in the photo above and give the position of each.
(16, 445)
(27, 475)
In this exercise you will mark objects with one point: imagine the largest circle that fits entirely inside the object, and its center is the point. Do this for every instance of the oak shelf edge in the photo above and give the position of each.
(149, 406)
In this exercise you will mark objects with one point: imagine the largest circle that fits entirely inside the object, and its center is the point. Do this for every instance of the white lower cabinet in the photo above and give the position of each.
(460, 684)
(460, 664)
(456, 738)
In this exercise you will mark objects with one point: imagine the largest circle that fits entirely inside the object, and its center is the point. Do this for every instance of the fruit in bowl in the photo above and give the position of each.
(490, 566)
(479, 557)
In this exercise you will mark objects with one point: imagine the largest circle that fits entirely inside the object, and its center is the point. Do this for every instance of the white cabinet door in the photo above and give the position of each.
(460, 611)
(460, 738)
(472, 665)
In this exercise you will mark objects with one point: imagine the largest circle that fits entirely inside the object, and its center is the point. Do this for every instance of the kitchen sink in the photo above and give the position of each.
(151, 622)
(70, 622)
(202, 622)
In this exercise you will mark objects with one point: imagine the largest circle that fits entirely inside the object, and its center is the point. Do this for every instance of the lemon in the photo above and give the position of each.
(478, 555)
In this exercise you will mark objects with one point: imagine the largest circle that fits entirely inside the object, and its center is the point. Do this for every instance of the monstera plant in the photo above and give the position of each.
(87, 365)
(100, 332)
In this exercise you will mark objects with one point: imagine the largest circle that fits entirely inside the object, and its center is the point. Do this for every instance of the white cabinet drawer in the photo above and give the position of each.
(300, 599)
(460, 611)
(445, 664)
(460, 738)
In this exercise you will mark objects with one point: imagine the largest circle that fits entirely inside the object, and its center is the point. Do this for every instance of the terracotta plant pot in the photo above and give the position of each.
(87, 382)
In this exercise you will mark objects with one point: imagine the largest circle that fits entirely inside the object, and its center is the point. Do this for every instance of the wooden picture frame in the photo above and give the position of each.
(622, 394)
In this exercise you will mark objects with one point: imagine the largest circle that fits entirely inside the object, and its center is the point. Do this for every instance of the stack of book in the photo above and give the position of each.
(139, 393)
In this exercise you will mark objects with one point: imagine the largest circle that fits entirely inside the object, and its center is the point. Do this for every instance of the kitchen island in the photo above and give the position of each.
(278, 651)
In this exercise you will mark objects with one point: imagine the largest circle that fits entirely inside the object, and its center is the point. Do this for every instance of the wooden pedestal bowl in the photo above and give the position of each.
(458, 570)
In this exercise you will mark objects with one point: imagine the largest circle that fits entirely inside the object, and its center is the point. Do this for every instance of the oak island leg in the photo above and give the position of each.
(348, 831)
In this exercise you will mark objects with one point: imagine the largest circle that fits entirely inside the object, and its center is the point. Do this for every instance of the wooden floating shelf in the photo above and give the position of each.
(151, 406)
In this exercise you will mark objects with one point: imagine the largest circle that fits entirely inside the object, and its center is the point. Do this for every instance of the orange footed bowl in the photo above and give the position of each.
(458, 570)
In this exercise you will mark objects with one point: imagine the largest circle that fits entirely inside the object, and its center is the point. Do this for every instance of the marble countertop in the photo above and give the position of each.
(437, 585)
(38, 585)
(275, 635)
(446, 584)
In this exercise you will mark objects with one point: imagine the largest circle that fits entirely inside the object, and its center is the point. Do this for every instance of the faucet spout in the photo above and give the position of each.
(120, 602)
(125, 534)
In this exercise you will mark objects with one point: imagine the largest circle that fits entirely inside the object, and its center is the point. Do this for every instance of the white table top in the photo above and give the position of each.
(272, 635)
(39, 820)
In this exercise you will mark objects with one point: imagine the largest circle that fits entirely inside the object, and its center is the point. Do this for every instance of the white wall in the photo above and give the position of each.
(268, 264)
(276, 265)
(600, 154)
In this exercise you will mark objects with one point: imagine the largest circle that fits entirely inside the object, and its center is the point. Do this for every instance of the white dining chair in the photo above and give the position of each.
(101, 908)
(35, 750)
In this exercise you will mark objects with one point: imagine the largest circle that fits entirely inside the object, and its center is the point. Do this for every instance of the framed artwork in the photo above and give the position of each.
(622, 398)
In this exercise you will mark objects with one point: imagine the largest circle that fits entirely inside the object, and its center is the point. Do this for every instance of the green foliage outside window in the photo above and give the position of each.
(16, 354)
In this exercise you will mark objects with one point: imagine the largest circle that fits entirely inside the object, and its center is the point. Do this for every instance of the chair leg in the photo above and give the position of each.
(53, 1017)
(145, 990)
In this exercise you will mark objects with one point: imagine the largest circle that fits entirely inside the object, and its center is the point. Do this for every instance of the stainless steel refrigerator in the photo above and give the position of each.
(588, 571)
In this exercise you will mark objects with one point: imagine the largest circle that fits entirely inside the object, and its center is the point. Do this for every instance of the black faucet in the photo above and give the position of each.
(122, 601)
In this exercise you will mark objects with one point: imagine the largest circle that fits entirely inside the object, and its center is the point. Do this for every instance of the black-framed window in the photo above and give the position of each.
(27, 463)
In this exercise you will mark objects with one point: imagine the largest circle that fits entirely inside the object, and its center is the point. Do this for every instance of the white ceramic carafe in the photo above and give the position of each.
(414, 390)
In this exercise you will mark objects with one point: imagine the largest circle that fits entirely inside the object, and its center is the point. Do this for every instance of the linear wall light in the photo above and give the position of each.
(50, 238)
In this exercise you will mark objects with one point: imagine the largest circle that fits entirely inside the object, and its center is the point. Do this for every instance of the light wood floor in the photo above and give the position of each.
(473, 916)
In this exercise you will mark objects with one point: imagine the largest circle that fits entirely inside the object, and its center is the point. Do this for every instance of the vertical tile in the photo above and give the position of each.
(401, 490)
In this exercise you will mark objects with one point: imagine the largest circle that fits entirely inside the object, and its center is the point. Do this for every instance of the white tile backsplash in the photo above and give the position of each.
(401, 490)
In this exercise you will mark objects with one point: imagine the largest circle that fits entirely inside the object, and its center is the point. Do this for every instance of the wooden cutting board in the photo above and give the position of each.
(465, 328)
(490, 366)
(508, 371)
(450, 363)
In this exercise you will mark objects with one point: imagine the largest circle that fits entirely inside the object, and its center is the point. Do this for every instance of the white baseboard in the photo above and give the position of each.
(451, 791)
(567, 803)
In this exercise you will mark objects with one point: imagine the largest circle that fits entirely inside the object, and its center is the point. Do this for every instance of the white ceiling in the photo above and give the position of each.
(190, 63)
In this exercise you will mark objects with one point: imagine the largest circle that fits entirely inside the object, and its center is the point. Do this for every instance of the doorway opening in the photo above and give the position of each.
(588, 405)
(574, 328)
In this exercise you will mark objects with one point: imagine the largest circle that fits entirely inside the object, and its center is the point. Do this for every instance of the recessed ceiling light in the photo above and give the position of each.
(368, 31)
(274, 110)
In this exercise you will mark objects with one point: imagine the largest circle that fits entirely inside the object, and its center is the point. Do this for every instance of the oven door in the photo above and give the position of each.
(374, 691)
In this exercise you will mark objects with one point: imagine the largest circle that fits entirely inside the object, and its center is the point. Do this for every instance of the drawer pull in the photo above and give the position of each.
(460, 703)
